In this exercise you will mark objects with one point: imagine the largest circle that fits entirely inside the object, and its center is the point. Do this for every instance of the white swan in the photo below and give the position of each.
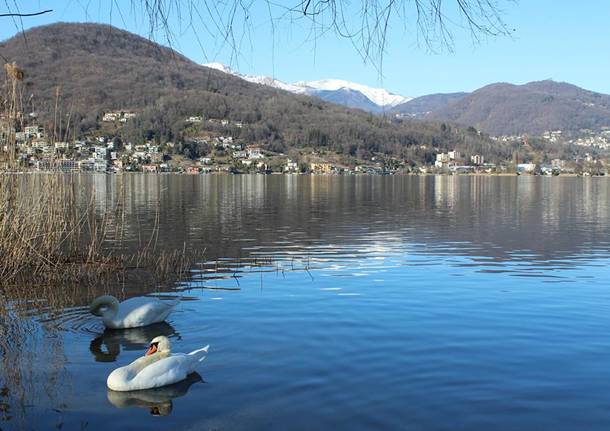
(159, 367)
(132, 313)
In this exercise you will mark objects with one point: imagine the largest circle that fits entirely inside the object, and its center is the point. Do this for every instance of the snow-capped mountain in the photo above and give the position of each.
(263, 80)
(379, 96)
(331, 90)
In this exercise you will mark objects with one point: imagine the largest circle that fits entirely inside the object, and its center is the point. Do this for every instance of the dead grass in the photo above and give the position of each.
(53, 234)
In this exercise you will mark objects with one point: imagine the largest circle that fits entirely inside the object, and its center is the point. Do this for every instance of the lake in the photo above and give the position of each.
(366, 302)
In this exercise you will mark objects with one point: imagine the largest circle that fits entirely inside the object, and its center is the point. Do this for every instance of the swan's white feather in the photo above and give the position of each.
(140, 311)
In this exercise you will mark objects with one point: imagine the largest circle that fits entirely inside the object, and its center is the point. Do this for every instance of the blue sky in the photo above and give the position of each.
(560, 40)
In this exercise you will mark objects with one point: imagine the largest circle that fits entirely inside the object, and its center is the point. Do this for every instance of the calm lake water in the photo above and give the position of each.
(421, 303)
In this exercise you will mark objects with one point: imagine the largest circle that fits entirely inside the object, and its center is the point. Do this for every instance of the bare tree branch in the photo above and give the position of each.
(2, 15)
(368, 24)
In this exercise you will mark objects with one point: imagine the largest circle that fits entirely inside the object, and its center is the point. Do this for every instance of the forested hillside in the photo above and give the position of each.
(507, 109)
(96, 68)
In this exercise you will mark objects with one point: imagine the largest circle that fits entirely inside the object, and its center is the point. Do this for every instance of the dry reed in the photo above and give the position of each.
(52, 233)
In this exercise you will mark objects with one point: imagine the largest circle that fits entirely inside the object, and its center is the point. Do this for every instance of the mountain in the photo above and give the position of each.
(379, 96)
(506, 109)
(261, 80)
(419, 107)
(497, 109)
(349, 98)
(351, 94)
(96, 68)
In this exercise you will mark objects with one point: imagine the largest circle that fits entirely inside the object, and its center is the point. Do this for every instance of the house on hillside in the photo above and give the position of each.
(194, 119)
(109, 117)
(192, 170)
(454, 155)
(477, 159)
(120, 116)
(66, 165)
(526, 168)
(255, 152)
(442, 159)
(320, 168)
(291, 166)
(33, 132)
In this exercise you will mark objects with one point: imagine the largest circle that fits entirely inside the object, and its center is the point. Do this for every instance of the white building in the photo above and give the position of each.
(291, 166)
(442, 157)
(255, 153)
(477, 159)
(110, 116)
(527, 168)
(454, 155)
(34, 132)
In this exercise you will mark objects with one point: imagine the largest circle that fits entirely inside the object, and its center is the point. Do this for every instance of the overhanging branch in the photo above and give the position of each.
(2, 15)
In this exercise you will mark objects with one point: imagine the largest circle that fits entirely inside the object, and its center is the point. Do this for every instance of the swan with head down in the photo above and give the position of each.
(132, 313)
(159, 367)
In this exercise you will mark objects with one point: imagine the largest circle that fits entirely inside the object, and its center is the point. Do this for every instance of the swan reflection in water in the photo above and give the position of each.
(107, 346)
(158, 400)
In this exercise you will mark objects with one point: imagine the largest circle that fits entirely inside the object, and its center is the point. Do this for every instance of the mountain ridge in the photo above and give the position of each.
(500, 108)
(535, 107)
(98, 68)
(421, 106)
(331, 90)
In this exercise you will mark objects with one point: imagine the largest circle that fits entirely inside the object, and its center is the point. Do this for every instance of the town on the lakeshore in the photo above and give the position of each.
(104, 151)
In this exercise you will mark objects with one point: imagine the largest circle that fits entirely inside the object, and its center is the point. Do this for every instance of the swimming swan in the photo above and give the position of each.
(159, 367)
(107, 347)
(132, 313)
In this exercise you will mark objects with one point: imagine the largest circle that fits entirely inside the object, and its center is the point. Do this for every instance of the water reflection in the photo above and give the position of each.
(240, 216)
(158, 401)
(107, 346)
(410, 274)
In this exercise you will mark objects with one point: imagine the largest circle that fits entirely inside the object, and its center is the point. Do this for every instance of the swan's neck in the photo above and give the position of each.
(109, 318)
(111, 311)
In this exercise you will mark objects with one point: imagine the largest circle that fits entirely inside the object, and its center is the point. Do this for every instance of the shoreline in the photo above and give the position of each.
(396, 174)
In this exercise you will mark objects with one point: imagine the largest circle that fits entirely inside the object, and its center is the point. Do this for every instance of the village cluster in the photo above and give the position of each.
(105, 152)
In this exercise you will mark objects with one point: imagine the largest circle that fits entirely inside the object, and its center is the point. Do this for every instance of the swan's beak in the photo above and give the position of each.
(152, 349)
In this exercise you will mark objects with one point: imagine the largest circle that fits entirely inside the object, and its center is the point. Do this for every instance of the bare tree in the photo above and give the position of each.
(366, 23)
